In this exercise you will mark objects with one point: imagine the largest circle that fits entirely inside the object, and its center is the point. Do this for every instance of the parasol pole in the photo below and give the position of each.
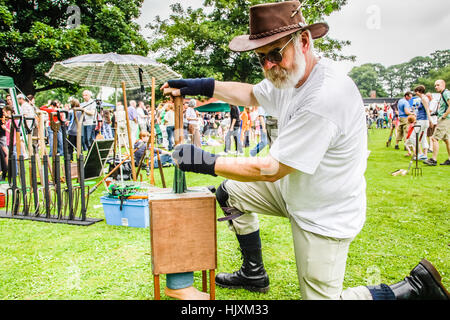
(130, 142)
(115, 129)
(152, 129)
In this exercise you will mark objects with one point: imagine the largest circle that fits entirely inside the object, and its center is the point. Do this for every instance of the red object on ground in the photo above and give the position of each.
(2, 200)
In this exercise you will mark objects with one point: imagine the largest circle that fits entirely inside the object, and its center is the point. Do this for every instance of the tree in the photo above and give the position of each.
(390, 79)
(397, 79)
(62, 94)
(195, 43)
(366, 78)
(440, 59)
(428, 82)
(35, 34)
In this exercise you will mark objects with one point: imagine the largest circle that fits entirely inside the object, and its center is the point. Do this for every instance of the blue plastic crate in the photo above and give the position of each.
(134, 213)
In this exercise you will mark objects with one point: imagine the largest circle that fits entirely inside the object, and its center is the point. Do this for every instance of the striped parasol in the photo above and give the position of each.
(110, 69)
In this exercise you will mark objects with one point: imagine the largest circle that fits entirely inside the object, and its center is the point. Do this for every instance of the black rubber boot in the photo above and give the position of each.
(423, 283)
(251, 276)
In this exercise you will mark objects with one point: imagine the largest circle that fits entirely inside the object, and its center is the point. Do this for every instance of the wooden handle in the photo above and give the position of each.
(178, 103)
(152, 137)
(137, 197)
(179, 132)
(169, 91)
(125, 105)
(112, 171)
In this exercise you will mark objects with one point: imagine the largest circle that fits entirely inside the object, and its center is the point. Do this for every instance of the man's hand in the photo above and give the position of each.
(191, 87)
(193, 159)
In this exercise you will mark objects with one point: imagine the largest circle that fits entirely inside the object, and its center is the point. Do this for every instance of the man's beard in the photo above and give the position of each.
(282, 78)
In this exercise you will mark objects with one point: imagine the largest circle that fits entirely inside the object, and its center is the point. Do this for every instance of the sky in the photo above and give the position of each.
(381, 31)
(384, 31)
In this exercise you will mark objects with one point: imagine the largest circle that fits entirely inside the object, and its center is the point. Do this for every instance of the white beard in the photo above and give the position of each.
(284, 79)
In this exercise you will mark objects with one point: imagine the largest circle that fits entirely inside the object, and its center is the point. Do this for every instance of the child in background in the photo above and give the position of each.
(106, 127)
(6, 125)
(72, 129)
(410, 143)
(140, 145)
(8, 112)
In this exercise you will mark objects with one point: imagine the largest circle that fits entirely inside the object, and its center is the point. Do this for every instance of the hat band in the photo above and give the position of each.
(275, 31)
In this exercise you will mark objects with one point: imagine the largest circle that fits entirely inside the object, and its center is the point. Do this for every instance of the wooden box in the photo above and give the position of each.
(183, 231)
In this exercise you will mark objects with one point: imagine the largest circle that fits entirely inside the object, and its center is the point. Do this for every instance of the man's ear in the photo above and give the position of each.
(305, 42)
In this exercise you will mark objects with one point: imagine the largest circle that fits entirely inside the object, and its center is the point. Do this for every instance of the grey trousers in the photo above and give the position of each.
(320, 260)
(233, 133)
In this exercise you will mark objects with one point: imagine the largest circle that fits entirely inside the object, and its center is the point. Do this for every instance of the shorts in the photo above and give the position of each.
(441, 131)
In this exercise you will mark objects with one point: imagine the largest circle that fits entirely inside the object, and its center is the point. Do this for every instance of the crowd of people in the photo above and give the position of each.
(417, 117)
(379, 116)
(214, 128)
(241, 128)
(94, 121)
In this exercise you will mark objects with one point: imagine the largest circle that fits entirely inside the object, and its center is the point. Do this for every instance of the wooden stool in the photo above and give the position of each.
(183, 234)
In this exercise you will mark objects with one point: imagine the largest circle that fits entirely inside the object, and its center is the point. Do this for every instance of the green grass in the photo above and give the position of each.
(407, 219)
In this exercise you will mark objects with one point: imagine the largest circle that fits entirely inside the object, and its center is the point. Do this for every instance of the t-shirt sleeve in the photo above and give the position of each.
(446, 96)
(304, 141)
(265, 94)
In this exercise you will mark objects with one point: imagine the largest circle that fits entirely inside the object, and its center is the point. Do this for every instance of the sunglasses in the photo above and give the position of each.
(274, 56)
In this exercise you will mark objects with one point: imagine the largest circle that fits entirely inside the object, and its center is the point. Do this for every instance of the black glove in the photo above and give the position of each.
(194, 87)
(193, 159)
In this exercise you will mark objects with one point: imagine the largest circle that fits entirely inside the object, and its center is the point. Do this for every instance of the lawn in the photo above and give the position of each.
(407, 220)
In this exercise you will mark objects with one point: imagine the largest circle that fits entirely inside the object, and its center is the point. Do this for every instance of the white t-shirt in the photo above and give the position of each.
(322, 134)
(90, 106)
(28, 111)
(253, 115)
(191, 114)
(170, 118)
(433, 106)
(390, 113)
(142, 118)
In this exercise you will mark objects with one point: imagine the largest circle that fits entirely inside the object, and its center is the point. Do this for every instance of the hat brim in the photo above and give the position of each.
(244, 43)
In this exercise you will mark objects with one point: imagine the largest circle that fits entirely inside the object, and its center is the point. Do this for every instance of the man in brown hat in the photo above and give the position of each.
(314, 174)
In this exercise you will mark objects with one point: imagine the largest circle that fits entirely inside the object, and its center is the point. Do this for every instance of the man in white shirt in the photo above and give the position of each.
(133, 121)
(143, 117)
(314, 174)
(193, 127)
(433, 106)
(28, 111)
(169, 120)
(25, 108)
(90, 119)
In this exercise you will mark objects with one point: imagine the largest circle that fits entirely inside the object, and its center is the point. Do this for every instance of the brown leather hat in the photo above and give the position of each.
(272, 21)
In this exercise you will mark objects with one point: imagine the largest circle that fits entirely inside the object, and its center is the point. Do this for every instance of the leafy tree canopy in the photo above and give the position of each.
(366, 79)
(35, 34)
(394, 80)
(430, 79)
(195, 41)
